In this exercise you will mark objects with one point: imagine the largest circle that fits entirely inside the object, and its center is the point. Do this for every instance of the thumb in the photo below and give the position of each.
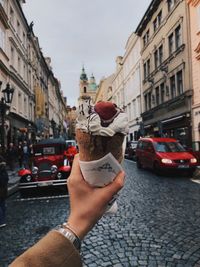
(112, 189)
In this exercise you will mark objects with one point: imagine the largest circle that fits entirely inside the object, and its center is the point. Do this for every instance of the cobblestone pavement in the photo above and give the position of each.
(157, 224)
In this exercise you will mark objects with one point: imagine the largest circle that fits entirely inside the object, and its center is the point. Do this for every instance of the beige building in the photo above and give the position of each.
(24, 67)
(132, 85)
(104, 92)
(194, 12)
(117, 94)
(166, 76)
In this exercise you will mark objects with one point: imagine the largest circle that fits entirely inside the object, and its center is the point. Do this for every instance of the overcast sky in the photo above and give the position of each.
(89, 32)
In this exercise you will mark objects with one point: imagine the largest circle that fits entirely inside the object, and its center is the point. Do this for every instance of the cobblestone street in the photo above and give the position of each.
(157, 224)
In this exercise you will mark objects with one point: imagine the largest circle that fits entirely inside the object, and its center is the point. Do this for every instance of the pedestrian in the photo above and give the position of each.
(30, 156)
(3, 191)
(11, 156)
(20, 154)
(26, 155)
(61, 246)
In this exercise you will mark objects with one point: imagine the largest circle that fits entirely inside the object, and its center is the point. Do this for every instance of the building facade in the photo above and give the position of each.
(194, 13)
(104, 92)
(24, 68)
(166, 76)
(132, 85)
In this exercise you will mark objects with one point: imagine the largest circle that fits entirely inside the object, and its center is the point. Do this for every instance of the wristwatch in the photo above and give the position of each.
(70, 235)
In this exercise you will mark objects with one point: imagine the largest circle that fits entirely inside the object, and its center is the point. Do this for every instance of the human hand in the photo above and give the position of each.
(88, 203)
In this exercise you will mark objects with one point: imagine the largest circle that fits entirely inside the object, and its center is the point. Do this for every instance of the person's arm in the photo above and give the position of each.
(87, 205)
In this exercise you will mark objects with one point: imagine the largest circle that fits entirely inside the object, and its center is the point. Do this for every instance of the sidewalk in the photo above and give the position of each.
(13, 181)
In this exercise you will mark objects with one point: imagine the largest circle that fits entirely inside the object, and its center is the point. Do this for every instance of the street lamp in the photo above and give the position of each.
(5, 102)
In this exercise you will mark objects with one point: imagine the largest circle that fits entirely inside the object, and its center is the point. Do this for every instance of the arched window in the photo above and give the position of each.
(84, 89)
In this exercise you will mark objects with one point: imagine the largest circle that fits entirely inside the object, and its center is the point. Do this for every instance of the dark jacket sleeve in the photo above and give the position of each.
(54, 250)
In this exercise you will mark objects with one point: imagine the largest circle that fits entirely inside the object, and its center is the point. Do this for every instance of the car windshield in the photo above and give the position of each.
(71, 142)
(169, 147)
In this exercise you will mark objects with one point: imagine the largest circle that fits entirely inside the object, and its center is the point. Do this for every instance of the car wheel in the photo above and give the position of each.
(157, 169)
(139, 165)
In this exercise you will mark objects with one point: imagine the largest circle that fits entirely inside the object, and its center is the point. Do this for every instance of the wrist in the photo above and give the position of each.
(78, 227)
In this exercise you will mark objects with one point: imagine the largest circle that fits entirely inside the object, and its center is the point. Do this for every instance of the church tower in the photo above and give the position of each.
(87, 88)
(83, 84)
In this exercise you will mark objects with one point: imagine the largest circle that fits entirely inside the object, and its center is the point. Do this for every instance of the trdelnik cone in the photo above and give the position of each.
(100, 129)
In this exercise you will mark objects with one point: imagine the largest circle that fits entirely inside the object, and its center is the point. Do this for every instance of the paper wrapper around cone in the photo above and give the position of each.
(94, 147)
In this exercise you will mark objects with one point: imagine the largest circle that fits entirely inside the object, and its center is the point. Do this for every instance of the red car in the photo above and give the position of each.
(50, 168)
(161, 154)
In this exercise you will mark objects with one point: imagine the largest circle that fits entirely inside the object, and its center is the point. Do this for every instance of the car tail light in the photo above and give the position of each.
(166, 161)
(193, 160)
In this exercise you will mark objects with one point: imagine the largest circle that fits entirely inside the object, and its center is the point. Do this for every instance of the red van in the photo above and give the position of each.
(161, 154)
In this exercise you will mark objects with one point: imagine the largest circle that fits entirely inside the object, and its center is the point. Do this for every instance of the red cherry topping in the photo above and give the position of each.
(106, 110)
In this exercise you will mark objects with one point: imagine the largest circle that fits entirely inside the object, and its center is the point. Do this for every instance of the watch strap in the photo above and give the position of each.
(72, 237)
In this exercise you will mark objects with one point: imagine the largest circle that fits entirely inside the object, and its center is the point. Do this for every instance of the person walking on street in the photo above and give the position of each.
(26, 155)
(20, 154)
(11, 156)
(3, 191)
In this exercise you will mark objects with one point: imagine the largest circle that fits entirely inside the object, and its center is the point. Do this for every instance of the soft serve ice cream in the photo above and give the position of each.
(100, 130)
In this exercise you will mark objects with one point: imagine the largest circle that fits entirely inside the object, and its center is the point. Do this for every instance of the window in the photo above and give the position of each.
(11, 16)
(24, 39)
(157, 95)
(179, 77)
(18, 28)
(170, 4)
(162, 91)
(157, 22)
(146, 102)
(171, 43)
(19, 65)
(173, 86)
(20, 102)
(156, 59)
(146, 38)
(2, 39)
(160, 51)
(148, 67)
(178, 36)
(149, 100)
(84, 90)
(158, 56)
(145, 70)
(12, 56)
(25, 106)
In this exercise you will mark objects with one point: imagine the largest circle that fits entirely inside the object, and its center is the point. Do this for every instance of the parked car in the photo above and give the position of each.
(130, 150)
(161, 154)
(72, 150)
(50, 168)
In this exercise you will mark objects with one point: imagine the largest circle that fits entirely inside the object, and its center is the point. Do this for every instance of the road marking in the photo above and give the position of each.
(40, 198)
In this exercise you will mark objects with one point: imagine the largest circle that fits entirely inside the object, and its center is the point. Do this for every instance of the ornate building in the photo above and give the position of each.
(87, 87)
(194, 12)
(166, 76)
